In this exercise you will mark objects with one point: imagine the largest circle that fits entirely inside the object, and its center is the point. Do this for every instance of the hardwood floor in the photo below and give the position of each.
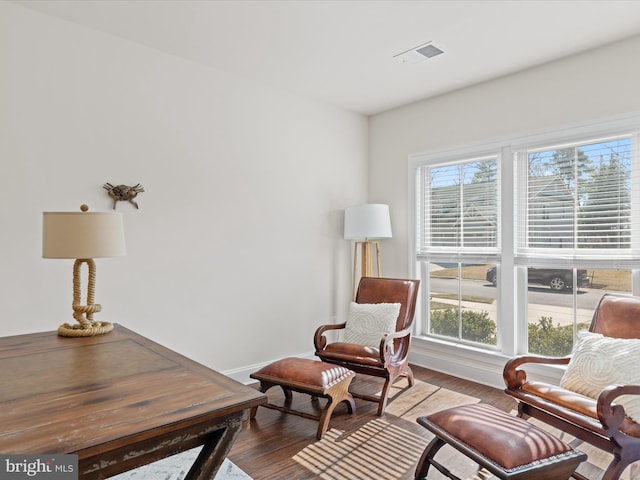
(266, 448)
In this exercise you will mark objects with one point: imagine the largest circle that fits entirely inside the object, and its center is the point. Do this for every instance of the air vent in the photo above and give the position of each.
(419, 54)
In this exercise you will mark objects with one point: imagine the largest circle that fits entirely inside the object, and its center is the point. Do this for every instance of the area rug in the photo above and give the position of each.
(382, 449)
(385, 451)
(376, 450)
(387, 448)
(177, 466)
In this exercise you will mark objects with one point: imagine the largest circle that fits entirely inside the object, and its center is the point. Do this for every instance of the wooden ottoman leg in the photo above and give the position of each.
(428, 454)
(287, 394)
(351, 404)
(324, 418)
(264, 386)
(328, 410)
(336, 394)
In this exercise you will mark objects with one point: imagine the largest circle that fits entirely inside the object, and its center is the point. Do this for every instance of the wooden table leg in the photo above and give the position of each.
(214, 451)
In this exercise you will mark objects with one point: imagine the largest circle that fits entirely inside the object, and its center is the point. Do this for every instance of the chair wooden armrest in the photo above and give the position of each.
(399, 334)
(389, 353)
(611, 415)
(319, 340)
(515, 378)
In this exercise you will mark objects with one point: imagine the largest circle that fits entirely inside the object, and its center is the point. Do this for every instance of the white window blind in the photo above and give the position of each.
(458, 206)
(575, 201)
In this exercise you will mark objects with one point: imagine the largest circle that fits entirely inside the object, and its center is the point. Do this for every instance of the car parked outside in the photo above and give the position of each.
(555, 278)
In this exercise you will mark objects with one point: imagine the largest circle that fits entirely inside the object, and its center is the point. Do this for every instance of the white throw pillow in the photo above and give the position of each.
(598, 361)
(367, 323)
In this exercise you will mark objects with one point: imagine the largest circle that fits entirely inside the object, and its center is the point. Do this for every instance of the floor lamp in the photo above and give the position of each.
(83, 236)
(365, 223)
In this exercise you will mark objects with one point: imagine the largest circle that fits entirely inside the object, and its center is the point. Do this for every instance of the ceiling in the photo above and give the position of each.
(342, 52)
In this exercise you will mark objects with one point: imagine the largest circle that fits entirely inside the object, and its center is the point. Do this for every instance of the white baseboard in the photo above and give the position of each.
(242, 374)
(474, 364)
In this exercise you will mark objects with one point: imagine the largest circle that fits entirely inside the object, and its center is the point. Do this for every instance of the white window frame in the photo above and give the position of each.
(472, 255)
(511, 299)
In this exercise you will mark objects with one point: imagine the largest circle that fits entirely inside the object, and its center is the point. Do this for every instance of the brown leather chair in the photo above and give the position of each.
(389, 361)
(600, 421)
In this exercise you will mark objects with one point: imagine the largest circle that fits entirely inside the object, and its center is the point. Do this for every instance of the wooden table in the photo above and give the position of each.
(118, 401)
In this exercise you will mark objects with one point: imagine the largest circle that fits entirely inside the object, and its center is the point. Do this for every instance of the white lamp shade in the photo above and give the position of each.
(82, 235)
(368, 221)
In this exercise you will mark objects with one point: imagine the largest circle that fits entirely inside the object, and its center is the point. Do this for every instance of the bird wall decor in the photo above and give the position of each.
(123, 193)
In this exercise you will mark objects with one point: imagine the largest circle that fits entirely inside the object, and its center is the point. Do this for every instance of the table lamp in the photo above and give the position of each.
(83, 236)
(364, 223)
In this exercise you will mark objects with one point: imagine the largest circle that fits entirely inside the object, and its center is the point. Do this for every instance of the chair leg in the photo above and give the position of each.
(522, 411)
(409, 374)
(615, 469)
(390, 380)
(384, 394)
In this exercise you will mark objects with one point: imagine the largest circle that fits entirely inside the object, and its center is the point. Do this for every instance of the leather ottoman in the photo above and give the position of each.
(507, 446)
(315, 378)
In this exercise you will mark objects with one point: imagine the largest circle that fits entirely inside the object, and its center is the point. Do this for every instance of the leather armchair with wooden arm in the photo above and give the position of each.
(390, 360)
(598, 421)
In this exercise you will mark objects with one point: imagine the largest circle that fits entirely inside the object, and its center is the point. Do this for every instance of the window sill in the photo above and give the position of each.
(472, 363)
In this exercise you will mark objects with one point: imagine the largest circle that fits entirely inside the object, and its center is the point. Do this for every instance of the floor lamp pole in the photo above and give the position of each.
(366, 261)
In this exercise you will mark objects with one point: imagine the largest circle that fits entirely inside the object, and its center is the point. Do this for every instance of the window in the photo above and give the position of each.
(460, 206)
(577, 197)
(458, 224)
(531, 233)
(574, 209)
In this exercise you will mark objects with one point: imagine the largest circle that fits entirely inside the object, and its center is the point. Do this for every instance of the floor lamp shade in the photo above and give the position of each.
(364, 223)
(368, 221)
(83, 236)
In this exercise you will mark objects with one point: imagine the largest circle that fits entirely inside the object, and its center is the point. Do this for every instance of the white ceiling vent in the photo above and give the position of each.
(419, 54)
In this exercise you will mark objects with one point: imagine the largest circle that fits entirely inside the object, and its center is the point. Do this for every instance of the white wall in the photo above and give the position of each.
(595, 85)
(590, 86)
(236, 253)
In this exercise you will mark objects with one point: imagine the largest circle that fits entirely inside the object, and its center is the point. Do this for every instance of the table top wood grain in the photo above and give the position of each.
(117, 398)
